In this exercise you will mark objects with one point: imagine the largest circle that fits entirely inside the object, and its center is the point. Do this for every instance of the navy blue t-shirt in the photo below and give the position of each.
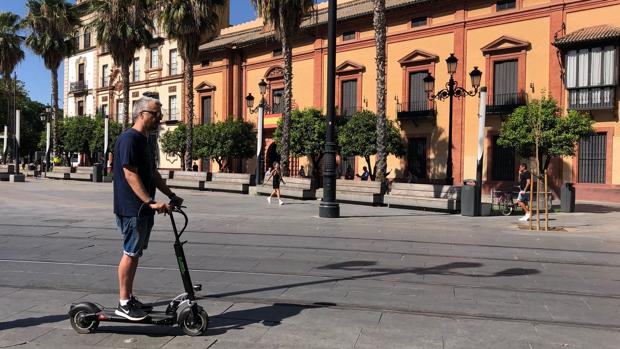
(132, 149)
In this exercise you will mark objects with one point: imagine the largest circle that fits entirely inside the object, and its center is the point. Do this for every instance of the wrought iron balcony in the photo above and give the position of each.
(596, 98)
(78, 86)
(347, 111)
(505, 103)
(416, 110)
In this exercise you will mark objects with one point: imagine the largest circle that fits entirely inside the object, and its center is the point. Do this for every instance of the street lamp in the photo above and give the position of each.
(47, 116)
(261, 108)
(452, 90)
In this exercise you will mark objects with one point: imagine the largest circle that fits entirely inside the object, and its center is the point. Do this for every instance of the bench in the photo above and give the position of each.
(166, 174)
(426, 196)
(364, 192)
(230, 182)
(187, 179)
(82, 173)
(6, 171)
(299, 188)
(59, 172)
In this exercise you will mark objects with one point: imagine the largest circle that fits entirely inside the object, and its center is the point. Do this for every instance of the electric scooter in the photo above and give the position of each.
(192, 318)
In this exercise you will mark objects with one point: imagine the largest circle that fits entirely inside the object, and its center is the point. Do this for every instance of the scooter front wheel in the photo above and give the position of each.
(193, 326)
(81, 323)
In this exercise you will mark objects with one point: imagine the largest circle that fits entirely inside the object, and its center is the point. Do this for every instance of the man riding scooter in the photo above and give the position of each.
(135, 180)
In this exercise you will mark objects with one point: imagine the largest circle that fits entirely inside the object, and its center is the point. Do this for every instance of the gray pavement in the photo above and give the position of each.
(280, 277)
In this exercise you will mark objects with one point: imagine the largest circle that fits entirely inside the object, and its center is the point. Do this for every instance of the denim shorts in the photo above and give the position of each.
(136, 232)
(525, 197)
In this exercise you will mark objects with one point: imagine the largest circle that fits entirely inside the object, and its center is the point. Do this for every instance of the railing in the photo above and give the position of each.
(348, 110)
(78, 86)
(505, 103)
(596, 98)
(415, 110)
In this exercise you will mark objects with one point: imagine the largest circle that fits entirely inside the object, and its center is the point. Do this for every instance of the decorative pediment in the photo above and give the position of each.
(205, 87)
(505, 44)
(275, 72)
(349, 67)
(417, 57)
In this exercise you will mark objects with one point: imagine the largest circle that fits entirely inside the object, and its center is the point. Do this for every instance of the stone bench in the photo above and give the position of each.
(166, 174)
(82, 173)
(59, 172)
(6, 171)
(299, 188)
(425, 196)
(188, 179)
(230, 182)
(352, 191)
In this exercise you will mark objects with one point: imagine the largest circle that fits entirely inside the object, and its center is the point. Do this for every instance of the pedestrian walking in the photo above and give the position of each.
(302, 172)
(276, 174)
(135, 180)
(524, 197)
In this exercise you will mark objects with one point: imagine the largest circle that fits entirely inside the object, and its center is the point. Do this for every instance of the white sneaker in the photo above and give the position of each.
(281, 202)
(525, 218)
(269, 199)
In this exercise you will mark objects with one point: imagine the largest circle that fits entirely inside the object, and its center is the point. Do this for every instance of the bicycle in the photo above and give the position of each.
(504, 201)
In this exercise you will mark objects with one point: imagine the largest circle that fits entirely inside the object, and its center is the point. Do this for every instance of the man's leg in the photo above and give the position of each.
(126, 273)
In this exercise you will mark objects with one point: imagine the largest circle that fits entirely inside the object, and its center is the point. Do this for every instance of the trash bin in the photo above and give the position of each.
(568, 197)
(97, 173)
(470, 197)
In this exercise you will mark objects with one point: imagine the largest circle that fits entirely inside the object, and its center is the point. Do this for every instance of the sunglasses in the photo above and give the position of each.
(155, 114)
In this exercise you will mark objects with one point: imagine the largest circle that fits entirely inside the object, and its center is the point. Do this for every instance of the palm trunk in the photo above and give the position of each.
(379, 24)
(54, 111)
(125, 73)
(288, 92)
(189, 82)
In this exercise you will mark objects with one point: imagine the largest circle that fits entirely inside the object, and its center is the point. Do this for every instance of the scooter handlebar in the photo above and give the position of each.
(178, 209)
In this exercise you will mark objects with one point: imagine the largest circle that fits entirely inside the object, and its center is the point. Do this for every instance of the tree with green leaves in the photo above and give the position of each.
(539, 130)
(380, 38)
(307, 136)
(358, 137)
(51, 23)
(285, 17)
(229, 139)
(173, 143)
(189, 23)
(123, 26)
(11, 52)
(77, 134)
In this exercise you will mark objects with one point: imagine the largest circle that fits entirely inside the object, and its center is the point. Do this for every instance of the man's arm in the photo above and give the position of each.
(135, 183)
(165, 189)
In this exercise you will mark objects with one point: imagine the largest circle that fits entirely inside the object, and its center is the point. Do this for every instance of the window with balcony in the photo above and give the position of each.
(173, 68)
(417, 100)
(105, 75)
(135, 76)
(505, 96)
(80, 108)
(81, 72)
(592, 159)
(591, 78)
(348, 97)
(154, 58)
(172, 103)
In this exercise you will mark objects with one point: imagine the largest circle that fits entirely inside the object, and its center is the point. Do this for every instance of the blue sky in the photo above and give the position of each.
(38, 79)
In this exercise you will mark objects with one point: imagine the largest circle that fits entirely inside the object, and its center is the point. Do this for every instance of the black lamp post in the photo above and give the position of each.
(262, 106)
(47, 116)
(329, 208)
(452, 90)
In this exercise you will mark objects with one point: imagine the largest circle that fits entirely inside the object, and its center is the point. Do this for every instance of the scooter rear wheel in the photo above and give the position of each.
(81, 324)
(193, 327)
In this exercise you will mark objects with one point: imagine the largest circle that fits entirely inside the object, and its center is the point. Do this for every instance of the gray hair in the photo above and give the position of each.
(143, 104)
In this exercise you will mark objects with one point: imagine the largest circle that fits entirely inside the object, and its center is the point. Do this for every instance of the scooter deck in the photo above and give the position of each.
(154, 317)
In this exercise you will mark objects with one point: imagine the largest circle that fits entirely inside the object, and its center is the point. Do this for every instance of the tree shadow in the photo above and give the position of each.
(32, 321)
(269, 315)
(596, 208)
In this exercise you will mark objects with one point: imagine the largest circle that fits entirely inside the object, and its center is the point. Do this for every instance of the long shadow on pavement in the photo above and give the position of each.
(32, 321)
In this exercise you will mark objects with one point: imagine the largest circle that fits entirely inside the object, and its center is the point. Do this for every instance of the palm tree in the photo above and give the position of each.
(380, 34)
(285, 17)
(51, 22)
(11, 52)
(186, 22)
(123, 26)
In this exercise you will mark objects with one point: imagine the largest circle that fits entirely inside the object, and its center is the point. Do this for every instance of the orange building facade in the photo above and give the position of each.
(524, 48)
